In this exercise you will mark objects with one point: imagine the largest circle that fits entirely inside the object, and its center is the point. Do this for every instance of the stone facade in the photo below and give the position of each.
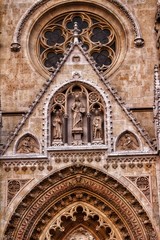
(79, 120)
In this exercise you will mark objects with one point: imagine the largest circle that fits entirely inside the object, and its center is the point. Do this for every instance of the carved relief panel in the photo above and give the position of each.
(27, 144)
(77, 116)
(127, 142)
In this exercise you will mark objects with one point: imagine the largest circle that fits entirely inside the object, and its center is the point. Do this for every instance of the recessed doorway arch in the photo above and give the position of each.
(91, 195)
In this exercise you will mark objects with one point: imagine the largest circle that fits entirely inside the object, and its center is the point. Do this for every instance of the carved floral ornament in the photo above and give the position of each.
(75, 197)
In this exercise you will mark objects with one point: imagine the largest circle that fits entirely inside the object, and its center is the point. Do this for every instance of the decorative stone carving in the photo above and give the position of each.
(57, 127)
(87, 212)
(51, 197)
(143, 183)
(157, 27)
(80, 234)
(77, 120)
(113, 91)
(27, 144)
(29, 13)
(127, 142)
(76, 59)
(24, 164)
(97, 127)
(75, 157)
(14, 186)
(75, 113)
(157, 103)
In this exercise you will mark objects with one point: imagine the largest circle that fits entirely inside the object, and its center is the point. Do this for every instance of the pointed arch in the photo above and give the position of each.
(80, 185)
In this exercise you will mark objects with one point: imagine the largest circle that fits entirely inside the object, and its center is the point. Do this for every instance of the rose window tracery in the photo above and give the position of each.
(97, 36)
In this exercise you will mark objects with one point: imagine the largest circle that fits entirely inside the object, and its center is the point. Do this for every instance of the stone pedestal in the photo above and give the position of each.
(57, 142)
(77, 136)
(97, 141)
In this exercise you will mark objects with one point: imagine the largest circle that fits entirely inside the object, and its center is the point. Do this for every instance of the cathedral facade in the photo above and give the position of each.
(80, 120)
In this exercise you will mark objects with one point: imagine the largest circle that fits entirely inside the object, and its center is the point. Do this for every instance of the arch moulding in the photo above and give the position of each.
(79, 196)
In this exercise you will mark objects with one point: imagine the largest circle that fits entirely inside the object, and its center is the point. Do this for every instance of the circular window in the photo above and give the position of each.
(101, 32)
(96, 35)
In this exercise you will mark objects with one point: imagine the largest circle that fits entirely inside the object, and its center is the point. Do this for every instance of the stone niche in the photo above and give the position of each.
(127, 141)
(77, 116)
(27, 144)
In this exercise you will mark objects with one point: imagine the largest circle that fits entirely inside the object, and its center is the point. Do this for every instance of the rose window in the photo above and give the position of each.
(96, 35)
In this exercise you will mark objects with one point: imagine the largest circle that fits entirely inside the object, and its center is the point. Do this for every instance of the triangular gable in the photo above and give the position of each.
(111, 90)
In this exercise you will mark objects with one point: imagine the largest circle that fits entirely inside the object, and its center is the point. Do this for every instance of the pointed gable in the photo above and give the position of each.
(77, 68)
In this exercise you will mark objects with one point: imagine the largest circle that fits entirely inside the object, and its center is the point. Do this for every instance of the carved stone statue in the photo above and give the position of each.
(77, 120)
(97, 126)
(77, 116)
(78, 111)
(57, 126)
(28, 145)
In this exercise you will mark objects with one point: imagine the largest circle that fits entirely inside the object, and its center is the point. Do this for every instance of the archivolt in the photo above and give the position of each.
(79, 186)
(16, 45)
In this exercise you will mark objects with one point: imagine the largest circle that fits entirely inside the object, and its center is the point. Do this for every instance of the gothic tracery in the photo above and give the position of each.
(77, 115)
(97, 36)
(79, 164)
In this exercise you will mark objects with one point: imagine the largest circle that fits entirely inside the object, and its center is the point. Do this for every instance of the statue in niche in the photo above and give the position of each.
(97, 126)
(128, 142)
(28, 145)
(77, 119)
(57, 126)
(78, 110)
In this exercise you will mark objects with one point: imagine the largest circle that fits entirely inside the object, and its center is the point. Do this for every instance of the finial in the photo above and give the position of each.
(75, 33)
